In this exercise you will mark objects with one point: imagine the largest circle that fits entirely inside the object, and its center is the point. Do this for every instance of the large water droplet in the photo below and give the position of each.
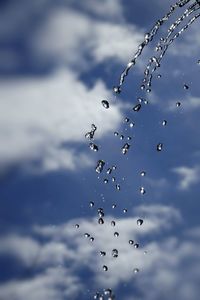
(116, 234)
(115, 253)
(139, 222)
(100, 165)
(125, 148)
(164, 123)
(105, 268)
(105, 103)
(136, 270)
(142, 190)
(137, 107)
(101, 221)
(159, 147)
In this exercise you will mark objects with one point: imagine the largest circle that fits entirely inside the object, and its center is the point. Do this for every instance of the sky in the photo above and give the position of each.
(58, 61)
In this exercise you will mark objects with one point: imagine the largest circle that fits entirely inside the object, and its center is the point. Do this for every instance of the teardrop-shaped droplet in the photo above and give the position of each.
(118, 188)
(109, 171)
(125, 148)
(164, 123)
(159, 147)
(105, 103)
(137, 107)
(101, 221)
(115, 253)
(113, 179)
(91, 204)
(186, 87)
(105, 268)
(142, 190)
(121, 137)
(139, 222)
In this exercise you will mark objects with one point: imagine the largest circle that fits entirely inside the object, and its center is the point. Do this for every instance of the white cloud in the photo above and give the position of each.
(38, 116)
(189, 176)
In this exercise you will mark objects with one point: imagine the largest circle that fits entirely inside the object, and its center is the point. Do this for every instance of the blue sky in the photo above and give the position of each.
(58, 61)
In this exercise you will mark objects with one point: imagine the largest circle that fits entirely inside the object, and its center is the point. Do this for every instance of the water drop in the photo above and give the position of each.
(105, 180)
(148, 90)
(101, 221)
(116, 90)
(121, 137)
(136, 270)
(136, 245)
(77, 226)
(91, 204)
(186, 87)
(131, 124)
(87, 235)
(114, 206)
(93, 147)
(113, 223)
(131, 242)
(109, 171)
(137, 107)
(126, 120)
(108, 292)
(96, 296)
(114, 167)
(102, 253)
(164, 123)
(91, 239)
(116, 133)
(159, 147)
(142, 190)
(125, 210)
(159, 76)
(116, 234)
(115, 253)
(128, 138)
(113, 179)
(105, 268)
(118, 187)
(100, 165)
(139, 222)
(143, 173)
(105, 103)
(101, 214)
(178, 104)
(125, 148)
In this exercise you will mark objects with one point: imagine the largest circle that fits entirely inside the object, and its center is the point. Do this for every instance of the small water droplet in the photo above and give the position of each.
(77, 226)
(142, 87)
(114, 206)
(143, 173)
(126, 120)
(186, 87)
(118, 188)
(116, 90)
(125, 148)
(136, 270)
(139, 222)
(109, 171)
(105, 180)
(108, 292)
(87, 235)
(113, 223)
(115, 253)
(91, 239)
(131, 124)
(116, 133)
(113, 179)
(131, 242)
(159, 147)
(121, 137)
(101, 214)
(105, 268)
(178, 104)
(105, 103)
(148, 90)
(101, 221)
(128, 138)
(125, 210)
(102, 253)
(136, 245)
(137, 107)
(116, 234)
(159, 76)
(164, 123)
(142, 190)
(91, 204)
(114, 167)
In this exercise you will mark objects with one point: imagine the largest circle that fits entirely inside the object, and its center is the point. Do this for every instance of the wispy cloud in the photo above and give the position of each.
(189, 176)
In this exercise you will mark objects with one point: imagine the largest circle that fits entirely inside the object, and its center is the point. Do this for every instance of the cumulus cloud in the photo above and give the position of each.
(189, 176)
(40, 116)
(63, 250)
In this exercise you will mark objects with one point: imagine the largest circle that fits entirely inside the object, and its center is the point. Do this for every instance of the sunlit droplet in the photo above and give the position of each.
(105, 180)
(115, 253)
(105, 268)
(116, 234)
(164, 123)
(131, 124)
(136, 270)
(91, 204)
(101, 221)
(113, 223)
(143, 173)
(100, 165)
(77, 226)
(137, 107)
(136, 245)
(116, 89)
(159, 147)
(142, 190)
(131, 242)
(105, 104)
(139, 222)
(125, 148)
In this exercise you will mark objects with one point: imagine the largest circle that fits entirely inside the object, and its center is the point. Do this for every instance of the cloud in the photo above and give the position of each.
(189, 176)
(63, 251)
(41, 116)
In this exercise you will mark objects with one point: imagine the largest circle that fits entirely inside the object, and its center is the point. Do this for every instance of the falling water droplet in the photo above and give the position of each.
(128, 138)
(105, 268)
(105, 103)
(108, 292)
(102, 253)
(125, 148)
(116, 234)
(114, 167)
(136, 245)
(116, 90)
(142, 87)
(159, 76)
(91, 204)
(109, 171)
(93, 147)
(77, 226)
(100, 165)
(114, 206)
(131, 242)
(113, 179)
(101, 221)
(116, 133)
(131, 124)
(136, 270)
(178, 104)
(137, 107)
(115, 253)
(87, 235)
(186, 87)
(118, 187)
(121, 137)
(126, 120)
(159, 147)
(91, 239)
(142, 190)
(125, 210)
(139, 222)
(164, 123)
(105, 180)
(143, 173)
(113, 223)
